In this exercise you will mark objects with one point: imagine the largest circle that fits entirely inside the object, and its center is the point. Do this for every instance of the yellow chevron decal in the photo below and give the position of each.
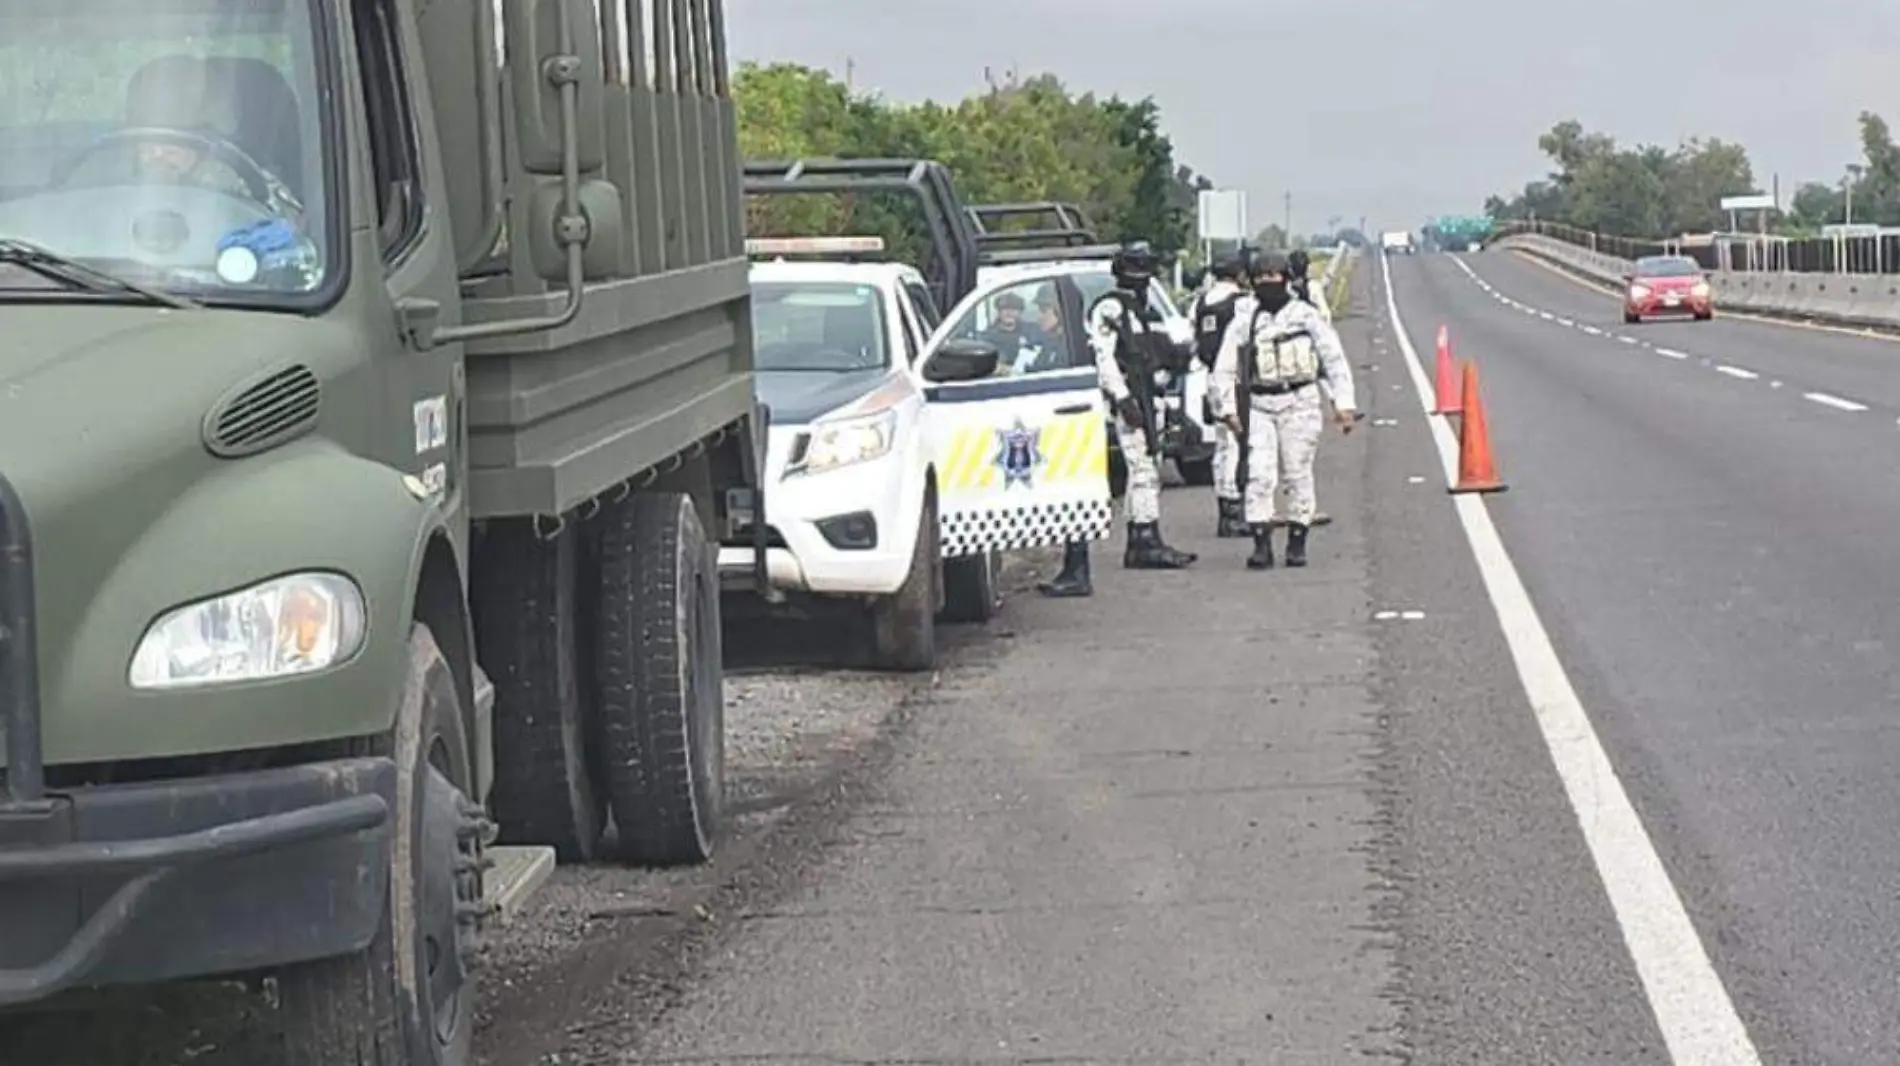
(1073, 447)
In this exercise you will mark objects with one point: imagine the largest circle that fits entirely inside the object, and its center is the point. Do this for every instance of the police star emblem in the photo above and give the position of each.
(1018, 453)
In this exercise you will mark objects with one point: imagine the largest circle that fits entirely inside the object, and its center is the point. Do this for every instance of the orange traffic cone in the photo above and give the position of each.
(1447, 383)
(1477, 469)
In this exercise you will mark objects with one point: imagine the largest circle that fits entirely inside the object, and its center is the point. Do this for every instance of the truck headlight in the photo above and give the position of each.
(831, 445)
(294, 624)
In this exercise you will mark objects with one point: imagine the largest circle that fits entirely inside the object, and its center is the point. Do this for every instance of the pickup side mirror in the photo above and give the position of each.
(962, 360)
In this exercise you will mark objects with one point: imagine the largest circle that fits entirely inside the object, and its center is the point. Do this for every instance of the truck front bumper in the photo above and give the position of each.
(197, 877)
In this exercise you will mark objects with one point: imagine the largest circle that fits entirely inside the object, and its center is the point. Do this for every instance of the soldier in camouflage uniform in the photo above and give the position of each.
(1299, 282)
(1286, 344)
(1212, 311)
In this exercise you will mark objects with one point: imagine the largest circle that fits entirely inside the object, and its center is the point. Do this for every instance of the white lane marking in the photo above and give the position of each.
(1693, 1010)
(1736, 372)
(1835, 402)
(1671, 353)
(1566, 322)
(1629, 340)
(1593, 331)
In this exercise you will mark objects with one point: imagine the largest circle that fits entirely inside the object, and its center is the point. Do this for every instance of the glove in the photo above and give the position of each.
(1129, 409)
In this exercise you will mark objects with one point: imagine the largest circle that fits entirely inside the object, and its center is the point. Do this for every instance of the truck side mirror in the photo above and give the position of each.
(553, 44)
(962, 360)
(598, 231)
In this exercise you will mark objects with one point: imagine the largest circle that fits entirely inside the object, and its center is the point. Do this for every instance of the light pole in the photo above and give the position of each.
(1854, 172)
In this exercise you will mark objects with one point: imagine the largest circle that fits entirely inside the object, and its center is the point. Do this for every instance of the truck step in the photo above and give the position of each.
(518, 873)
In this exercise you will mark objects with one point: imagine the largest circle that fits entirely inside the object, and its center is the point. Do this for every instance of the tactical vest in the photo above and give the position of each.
(1284, 358)
(1211, 319)
(1142, 342)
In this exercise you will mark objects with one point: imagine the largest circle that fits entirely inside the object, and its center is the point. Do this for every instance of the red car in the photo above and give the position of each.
(1667, 285)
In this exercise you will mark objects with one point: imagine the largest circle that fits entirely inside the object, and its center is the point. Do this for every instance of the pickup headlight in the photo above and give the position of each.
(831, 445)
(294, 624)
(1639, 291)
(1700, 288)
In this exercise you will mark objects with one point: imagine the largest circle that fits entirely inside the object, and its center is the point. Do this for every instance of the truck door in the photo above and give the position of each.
(425, 387)
(1022, 456)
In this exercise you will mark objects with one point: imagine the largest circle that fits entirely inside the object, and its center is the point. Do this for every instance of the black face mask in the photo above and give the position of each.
(1272, 295)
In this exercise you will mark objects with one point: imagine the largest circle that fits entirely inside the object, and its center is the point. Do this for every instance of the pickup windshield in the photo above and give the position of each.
(835, 327)
(176, 145)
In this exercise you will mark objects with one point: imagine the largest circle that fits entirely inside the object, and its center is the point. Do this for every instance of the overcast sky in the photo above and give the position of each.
(1408, 108)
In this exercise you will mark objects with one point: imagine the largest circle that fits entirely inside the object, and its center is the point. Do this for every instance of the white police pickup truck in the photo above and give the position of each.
(901, 459)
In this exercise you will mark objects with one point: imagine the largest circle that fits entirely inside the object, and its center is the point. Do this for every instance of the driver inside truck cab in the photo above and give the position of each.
(209, 100)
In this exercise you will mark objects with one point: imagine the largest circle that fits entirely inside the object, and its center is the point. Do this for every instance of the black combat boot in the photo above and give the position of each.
(1072, 581)
(1147, 551)
(1295, 544)
(1232, 524)
(1262, 557)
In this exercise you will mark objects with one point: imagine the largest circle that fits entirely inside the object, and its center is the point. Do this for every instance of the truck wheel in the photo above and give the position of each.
(659, 679)
(904, 624)
(529, 636)
(969, 588)
(409, 998)
(1196, 471)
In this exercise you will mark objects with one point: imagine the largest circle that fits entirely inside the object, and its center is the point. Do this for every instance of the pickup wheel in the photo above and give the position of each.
(530, 636)
(409, 998)
(904, 624)
(659, 679)
(969, 588)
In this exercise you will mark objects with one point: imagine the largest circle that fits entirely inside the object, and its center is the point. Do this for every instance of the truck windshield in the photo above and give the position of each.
(174, 144)
(823, 326)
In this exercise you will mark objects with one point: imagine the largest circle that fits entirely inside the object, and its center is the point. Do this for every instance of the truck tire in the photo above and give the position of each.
(1196, 471)
(904, 624)
(409, 998)
(659, 679)
(969, 588)
(530, 637)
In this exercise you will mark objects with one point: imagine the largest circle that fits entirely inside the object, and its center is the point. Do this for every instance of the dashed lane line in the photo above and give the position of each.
(1836, 402)
(1692, 1008)
(1736, 372)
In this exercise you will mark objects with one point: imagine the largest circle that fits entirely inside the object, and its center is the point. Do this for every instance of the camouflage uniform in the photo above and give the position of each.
(1223, 295)
(1302, 288)
(1292, 348)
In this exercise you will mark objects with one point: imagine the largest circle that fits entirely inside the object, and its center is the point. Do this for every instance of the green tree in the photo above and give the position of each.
(1027, 140)
(1641, 191)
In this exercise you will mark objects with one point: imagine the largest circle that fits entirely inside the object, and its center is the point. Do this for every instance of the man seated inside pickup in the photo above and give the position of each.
(1009, 332)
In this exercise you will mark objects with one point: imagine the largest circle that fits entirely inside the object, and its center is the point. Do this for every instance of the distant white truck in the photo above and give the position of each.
(1395, 241)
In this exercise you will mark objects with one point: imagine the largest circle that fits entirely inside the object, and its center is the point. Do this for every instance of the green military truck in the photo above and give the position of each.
(377, 378)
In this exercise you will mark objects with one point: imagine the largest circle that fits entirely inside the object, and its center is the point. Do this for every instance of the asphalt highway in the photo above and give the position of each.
(1213, 816)
(1704, 515)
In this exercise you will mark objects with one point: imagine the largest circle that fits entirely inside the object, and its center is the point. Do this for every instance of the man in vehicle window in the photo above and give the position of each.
(184, 123)
(1009, 332)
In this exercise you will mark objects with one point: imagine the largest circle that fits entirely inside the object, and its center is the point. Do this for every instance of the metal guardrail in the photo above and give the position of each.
(1736, 252)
